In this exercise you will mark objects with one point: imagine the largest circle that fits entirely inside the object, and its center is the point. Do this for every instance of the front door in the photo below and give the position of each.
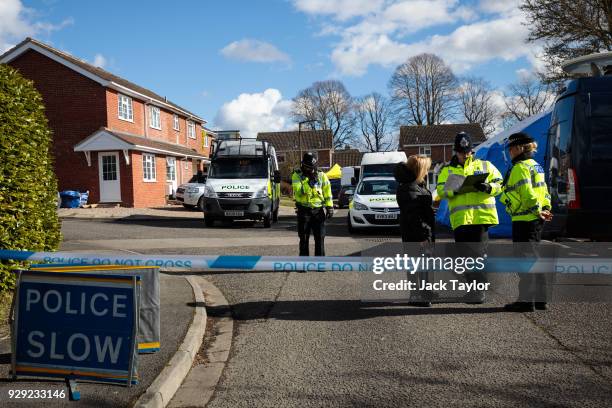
(110, 182)
(171, 175)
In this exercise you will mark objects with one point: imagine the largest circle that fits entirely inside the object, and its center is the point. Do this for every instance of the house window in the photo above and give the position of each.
(205, 140)
(426, 150)
(170, 169)
(155, 117)
(148, 167)
(191, 129)
(175, 122)
(125, 108)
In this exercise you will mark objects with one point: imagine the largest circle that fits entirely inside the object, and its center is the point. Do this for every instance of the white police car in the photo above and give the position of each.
(191, 194)
(374, 204)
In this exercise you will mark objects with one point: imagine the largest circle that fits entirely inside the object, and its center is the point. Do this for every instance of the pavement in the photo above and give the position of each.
(176, 307)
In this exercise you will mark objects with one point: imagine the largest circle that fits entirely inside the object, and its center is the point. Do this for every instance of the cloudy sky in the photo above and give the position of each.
(239, 63)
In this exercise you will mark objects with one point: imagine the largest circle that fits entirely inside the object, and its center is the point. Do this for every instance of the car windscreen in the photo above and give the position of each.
(601, 126)
(238, 168)
(381, 170)
(198, 178)
(377, 187)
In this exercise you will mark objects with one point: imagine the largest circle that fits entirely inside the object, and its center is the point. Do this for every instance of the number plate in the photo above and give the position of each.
(385, 216)
(234, 213)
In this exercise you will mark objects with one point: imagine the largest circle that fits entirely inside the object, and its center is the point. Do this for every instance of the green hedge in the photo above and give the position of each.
(28, 187)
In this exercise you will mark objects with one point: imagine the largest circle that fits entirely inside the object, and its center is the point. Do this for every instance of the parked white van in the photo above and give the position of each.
(243, 182)
(380, 164)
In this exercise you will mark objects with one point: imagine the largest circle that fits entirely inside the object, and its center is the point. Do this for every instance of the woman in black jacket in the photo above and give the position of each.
(417, 219)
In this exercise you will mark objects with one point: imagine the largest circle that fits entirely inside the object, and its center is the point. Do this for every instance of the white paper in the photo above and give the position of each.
(454, 182)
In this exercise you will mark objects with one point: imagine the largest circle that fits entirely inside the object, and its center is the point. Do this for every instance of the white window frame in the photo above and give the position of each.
(191, 129)
(149, 176)
(176, 124)
(128, 115)
(170, 164)
(424, 150)
(155, 109)
(206, 140)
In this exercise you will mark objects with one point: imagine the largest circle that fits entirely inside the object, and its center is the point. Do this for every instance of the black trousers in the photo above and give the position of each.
(311, 221)
(472, 241)
(533, 287)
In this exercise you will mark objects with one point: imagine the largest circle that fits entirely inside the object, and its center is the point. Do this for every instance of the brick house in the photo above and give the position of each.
(288, 144)
(436, 141)
(122, 142)
(347, 157)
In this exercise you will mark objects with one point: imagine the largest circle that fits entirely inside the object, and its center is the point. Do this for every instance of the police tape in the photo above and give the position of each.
(247, 263)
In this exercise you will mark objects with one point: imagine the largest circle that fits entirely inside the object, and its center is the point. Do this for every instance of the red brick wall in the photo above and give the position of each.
(75, 107)
(148, 194)
(438, 153)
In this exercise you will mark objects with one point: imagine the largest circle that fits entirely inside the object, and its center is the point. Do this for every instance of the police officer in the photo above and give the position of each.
(313, 201)
(527, 200)
(471, 213)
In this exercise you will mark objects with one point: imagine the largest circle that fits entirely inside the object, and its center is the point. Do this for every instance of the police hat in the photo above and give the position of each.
(309, 160)
(519, 139)
(463, 142)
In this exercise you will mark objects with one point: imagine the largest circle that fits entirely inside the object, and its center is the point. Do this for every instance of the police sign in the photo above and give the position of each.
(78, 326)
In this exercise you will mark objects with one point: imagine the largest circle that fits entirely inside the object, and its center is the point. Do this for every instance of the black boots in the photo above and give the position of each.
(525, 306)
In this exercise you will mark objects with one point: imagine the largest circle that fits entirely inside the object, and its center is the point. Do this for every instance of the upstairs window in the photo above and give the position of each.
(155, 117)
(426, 150)
(191, 129)
(125, 108)
(175, 122)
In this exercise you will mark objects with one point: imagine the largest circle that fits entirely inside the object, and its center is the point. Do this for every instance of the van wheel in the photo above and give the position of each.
(201, 204)
(267, 221)
(275, 215)
(209, 221)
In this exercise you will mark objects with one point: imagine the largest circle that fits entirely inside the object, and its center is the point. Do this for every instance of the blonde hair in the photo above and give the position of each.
(529, 148)
(419, 165)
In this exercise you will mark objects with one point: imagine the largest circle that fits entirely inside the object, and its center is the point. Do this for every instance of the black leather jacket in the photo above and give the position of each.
(417, 219)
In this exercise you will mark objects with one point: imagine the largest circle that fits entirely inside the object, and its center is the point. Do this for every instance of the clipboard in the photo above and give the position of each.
(471, 181)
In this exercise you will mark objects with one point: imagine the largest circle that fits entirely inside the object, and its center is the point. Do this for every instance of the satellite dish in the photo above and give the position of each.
(583, 65)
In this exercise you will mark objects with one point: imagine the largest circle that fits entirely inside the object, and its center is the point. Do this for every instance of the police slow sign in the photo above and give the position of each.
(79, 326)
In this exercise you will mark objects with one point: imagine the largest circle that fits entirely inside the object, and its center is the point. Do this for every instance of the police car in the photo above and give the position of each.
(374, 204)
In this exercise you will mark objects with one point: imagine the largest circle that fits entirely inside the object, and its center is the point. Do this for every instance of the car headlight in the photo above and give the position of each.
(209, 192)
(359, 207)
(263, 193)
(193, 189)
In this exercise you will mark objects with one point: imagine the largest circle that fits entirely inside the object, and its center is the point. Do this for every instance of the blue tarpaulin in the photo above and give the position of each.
(494, 151)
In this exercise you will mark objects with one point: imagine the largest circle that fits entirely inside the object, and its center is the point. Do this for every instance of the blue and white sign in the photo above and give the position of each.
(79, 326)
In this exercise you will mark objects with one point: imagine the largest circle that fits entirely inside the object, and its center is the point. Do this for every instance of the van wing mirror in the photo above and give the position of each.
(277, 176)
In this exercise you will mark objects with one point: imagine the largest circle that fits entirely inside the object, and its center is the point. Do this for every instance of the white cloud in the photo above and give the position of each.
(254, 51)
(256, 112)
(339, 9)
(99, 60)
(498, 6)
(16, 23)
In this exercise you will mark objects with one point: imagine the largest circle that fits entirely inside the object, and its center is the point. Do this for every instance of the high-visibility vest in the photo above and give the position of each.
(525, 193)
(475, 208)
(319, 195)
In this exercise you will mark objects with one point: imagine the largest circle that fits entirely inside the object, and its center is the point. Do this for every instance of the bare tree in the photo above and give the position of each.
(526, 98)
(374, 121)
(476, 104)
(569, 29)
(422, 89)
(329, 104)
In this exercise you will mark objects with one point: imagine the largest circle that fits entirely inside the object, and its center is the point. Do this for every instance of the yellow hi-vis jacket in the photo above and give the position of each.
(476, 208)
(319, 195)
(525, 193)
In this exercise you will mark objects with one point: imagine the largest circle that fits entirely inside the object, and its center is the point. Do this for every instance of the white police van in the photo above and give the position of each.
(243, 182)
(374, 204)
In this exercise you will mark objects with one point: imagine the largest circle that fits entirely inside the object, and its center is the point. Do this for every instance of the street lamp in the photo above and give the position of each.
(300, 133)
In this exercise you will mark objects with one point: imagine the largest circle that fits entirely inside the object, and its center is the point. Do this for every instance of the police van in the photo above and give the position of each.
(243, 182)
(380, 164)
(579, 151)
(374, 204)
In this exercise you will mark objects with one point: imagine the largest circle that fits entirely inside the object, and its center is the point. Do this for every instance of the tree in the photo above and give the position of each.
(28, 187)
(329, 104)
(569, 29)
(476, 104)
(373, 117)
(526, 98)
(422, 89)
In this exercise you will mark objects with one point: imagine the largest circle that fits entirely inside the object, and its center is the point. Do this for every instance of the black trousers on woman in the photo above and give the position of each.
(533, 287)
